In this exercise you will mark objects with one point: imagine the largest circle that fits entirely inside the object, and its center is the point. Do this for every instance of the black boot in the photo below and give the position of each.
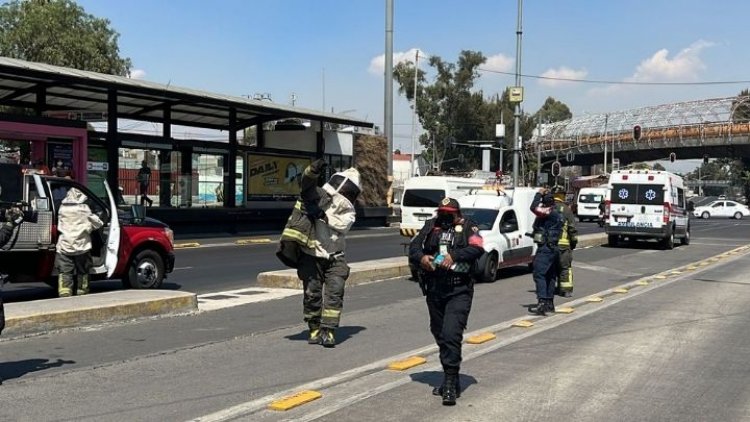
(541, 307)
(450, 393)
(550, 305)
(328, 340)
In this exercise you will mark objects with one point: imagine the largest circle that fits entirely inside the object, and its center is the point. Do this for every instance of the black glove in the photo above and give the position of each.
(14, 216)
(318, 166)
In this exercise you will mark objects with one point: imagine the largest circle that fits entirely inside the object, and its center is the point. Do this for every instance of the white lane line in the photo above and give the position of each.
(601, 269)
(716, 244)
(231, 298)
(183, 268)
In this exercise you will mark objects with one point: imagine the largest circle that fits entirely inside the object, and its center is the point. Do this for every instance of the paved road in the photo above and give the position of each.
(638, 357)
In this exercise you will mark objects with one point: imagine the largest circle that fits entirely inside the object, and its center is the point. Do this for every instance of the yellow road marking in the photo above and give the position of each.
(620, 290)
(186, 245)
(594, 299)
(703, 264)
(660, 277)
(565, 310)
(523, 324)
(642, 282)
(676, 272)
(481, 338)
(294, 400)
(252, 241)
(692, 267)
(402, 365)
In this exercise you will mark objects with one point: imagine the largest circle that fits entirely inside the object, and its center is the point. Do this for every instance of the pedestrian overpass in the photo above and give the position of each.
(718, 127)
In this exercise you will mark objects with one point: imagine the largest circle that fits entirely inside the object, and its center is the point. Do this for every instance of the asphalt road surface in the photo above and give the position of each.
(675, 349)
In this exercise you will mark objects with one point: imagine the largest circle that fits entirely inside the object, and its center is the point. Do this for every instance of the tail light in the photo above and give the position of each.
(607, 207)
(667, 213)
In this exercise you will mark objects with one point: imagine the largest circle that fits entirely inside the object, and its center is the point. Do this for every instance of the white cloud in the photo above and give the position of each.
(377, 64)
(137, 74)
(562, 73)
(499, 63)
(685, 66)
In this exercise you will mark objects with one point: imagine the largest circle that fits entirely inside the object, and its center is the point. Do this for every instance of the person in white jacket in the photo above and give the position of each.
(322, 264)
(73, 261)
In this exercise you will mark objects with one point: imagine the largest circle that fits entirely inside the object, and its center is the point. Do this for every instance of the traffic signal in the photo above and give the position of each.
(705, 158)
(672, 157)
(555, 168)
(637, 133)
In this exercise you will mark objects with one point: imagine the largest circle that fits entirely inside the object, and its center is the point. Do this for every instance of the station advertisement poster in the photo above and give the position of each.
(274, 177)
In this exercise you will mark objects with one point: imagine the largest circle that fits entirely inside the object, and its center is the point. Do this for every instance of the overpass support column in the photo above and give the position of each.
(165, 161)
(113, 141)
(230, 184)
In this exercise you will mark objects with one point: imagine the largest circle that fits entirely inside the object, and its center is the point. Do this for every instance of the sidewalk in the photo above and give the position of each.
(259, 237)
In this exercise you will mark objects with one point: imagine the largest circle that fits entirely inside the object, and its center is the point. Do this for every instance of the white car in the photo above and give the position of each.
(726, 209)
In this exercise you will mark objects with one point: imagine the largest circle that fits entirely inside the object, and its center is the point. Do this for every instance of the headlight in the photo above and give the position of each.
(170, 235)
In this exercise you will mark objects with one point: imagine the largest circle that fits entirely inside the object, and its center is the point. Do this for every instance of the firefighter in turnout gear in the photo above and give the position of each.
(568, 242)
(75, 223)
(548, 227)
(314, 241)
(445, 250)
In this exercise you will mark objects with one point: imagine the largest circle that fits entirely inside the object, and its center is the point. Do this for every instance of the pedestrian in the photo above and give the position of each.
(13, 218)
(548, 226)
(445, 250)
(75, 224)
(314, 242)
(567, 243)
(144, 179)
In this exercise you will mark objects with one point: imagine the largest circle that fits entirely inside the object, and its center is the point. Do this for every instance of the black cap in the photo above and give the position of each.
(449, 205)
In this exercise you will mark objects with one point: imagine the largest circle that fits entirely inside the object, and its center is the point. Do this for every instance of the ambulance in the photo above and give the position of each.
(646, 204)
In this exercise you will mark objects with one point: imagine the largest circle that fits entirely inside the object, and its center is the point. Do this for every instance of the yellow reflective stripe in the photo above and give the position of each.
(331, 313)
(296, 235)
(298, 205)
(567, 284)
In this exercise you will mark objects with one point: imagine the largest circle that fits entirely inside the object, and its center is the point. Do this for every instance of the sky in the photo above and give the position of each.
(330, 53)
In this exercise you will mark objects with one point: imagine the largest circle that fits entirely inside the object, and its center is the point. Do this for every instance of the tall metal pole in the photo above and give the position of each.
(538, 148)
(516, 122)
(414, 114)
(606, 118)
(388, 118)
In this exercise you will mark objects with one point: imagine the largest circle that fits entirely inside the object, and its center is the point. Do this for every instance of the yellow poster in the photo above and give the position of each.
(275, 176)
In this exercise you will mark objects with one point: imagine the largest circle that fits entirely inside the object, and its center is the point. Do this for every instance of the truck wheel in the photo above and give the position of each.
(490, 268)
(668, 242)
(612, 240)
(146, 271)
(705, 215)
(686, 240)
(738, 216)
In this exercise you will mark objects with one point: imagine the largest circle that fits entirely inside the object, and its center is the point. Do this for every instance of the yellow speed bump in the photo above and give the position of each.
(294, 400)
(642, 282)
(251, 241)
(186, 245)
(660, 277)
(402, 365)
(481, 338)
(692, 267)
(703, 264)
(676, 272)
(594, 299)
(620, 290)
(523, 324)
(565, 310)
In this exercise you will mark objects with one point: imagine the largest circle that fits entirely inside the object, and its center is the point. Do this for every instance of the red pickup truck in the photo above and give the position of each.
(131, 247)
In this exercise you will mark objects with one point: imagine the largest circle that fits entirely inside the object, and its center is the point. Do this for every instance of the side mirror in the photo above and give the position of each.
(139, 212)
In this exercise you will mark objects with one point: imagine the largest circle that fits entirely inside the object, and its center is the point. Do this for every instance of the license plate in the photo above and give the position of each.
(634, 224)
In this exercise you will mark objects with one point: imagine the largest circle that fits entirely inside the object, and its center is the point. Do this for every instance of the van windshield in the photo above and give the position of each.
(590, 199)
(484, 219)
(429, 198)
(638, 194)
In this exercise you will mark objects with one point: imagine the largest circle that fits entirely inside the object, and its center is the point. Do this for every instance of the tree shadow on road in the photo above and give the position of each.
(435, 379)
(342, 334)
(10, 370)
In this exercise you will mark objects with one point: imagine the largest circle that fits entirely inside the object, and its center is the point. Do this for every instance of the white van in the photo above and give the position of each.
(587, 203)
(422, 195)
(646, 204)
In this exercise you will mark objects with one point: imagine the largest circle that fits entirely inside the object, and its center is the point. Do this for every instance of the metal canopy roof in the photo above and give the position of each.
(717, 110)
(50, 89)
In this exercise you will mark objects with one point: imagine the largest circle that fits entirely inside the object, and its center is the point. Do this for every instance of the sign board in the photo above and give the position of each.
(516, 94)
(274, 177)
(616, 164)
(97, 166)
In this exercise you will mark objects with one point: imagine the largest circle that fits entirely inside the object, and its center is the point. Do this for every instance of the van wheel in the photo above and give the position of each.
(686, 240)
(146, 271)
(612, 240)
(705, 215)
(668, 242)
(738, 216)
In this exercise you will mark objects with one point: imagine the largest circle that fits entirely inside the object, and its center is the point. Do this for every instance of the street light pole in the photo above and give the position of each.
(388, 88)
(414, 115)
(606, 118)
(517, 115)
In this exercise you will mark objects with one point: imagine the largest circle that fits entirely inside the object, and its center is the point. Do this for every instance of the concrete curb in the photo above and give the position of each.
(80, 311)
(380, 269)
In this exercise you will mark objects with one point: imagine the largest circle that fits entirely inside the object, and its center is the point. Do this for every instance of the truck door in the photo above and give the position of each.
(113, 237)
(516, 251)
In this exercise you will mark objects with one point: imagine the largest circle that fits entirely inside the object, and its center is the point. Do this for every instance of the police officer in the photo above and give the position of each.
(444, 250)
(547, 231)
(13, 218)
(568, 242)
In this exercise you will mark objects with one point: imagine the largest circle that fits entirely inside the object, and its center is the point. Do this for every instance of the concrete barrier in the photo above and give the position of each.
(380, 269)
(80, 311)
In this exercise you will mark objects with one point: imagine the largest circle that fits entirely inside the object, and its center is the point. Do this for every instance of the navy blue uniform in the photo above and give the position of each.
(548, 227)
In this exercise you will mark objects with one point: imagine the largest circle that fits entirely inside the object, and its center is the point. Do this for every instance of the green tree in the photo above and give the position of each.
(742, 107)
(451, 110)
(60, 32)
(552, 111)
(658, 166)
